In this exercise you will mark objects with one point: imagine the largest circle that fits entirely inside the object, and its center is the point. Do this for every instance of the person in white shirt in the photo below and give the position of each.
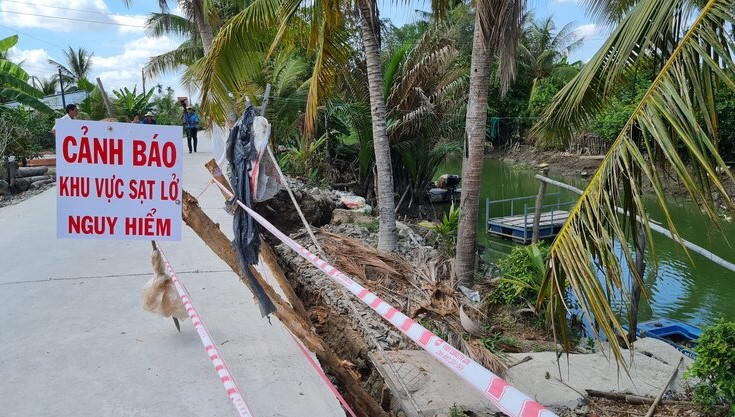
(71, 113)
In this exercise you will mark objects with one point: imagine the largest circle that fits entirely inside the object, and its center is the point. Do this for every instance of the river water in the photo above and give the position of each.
(685, 287)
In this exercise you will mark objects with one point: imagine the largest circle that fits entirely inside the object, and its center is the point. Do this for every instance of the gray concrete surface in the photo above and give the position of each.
(650, 366)
(433, 388)
(76, 342)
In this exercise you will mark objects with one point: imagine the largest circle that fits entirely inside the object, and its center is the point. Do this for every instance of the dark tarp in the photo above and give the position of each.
(241, 153)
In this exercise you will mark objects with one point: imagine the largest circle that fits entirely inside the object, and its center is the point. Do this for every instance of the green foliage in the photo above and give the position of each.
(129, 103)
(715, 366)
(168, 110)
(618, 110)
(24, 134)
(306, 159)
(726, 119)
(456, 411)
(522, 273)
(14, 81)
(447, 229)
(497, 343)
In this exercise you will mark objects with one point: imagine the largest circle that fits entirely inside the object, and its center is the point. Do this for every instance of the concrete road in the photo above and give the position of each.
(75, 341)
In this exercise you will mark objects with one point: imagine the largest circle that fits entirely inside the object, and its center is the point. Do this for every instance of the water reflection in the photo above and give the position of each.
(697, 293)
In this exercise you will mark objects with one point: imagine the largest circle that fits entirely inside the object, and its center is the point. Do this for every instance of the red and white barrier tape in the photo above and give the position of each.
(500, 393)
(233, 391)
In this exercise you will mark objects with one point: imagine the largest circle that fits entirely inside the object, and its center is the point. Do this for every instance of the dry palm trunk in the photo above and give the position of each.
(358, 397)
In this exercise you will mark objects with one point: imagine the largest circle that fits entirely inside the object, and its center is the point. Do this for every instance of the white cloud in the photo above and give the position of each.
(129, 23)
(34, 61)
(123, 70)
(565, 1)
(587, 30)
(68, 16)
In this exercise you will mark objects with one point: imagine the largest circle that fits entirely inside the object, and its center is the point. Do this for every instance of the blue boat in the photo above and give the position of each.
(679, 335)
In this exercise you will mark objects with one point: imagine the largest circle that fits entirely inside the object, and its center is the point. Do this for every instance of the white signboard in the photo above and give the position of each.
(118, 180)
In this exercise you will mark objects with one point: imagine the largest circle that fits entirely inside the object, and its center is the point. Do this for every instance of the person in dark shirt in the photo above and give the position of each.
(191, 120)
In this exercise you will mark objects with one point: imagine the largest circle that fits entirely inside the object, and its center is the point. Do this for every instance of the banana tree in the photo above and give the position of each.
(130, 104)
(14, 81)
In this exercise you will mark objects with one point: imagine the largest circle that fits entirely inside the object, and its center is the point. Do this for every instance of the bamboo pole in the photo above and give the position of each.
(656, 228)
(357, 396)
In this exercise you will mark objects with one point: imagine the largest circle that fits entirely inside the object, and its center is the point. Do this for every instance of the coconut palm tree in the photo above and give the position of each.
(77, 69)
(425, 93)
(544, 49)
(670, 130)
(162, 24)
(496, 34)
(328, 45)
(196, 11)
(14, 81)
(46, 85)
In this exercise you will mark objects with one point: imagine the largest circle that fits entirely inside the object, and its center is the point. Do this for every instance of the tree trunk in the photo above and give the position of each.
(356, 395)
(387, 236)
(472, 158)
(205, 31)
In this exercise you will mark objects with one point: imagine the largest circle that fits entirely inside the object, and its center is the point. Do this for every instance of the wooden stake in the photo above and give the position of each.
(661, 394)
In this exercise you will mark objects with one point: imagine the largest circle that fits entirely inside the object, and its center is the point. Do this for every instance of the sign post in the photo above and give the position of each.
(118, 181)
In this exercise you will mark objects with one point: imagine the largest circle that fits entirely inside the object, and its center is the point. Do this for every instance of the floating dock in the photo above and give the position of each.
(519, 227)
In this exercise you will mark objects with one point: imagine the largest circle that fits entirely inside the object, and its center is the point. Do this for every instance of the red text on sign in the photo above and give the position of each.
(147, 226)
(153, 154)
(141, 189)
(92, 151)
(73, 187)
(91, 225)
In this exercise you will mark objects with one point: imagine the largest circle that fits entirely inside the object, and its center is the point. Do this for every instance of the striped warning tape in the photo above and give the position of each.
(500, 393)
(233, 391)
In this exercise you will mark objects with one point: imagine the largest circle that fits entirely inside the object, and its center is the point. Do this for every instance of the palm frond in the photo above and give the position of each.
(675, 116)
(186, 53)
(160, 24)
(583, 98)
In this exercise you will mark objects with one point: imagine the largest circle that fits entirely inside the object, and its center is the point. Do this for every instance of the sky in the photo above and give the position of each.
(115, 34)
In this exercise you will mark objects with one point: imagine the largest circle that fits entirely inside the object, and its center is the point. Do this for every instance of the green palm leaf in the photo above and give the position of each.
(677, 112)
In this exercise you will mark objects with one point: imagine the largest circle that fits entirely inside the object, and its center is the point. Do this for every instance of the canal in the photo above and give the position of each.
(695, 291)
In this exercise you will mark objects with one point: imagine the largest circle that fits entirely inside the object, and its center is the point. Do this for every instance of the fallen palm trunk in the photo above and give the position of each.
(361, 401)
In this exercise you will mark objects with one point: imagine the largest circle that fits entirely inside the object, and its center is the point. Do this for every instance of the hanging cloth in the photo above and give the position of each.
(242, 154)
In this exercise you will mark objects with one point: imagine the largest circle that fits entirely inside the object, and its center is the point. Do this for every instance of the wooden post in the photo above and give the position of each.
(539, 204)
(105, 98)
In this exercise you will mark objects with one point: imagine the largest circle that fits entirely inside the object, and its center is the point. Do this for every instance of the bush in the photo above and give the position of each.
(715, 367)
(24, 134)
(522, 273)
(447, 230)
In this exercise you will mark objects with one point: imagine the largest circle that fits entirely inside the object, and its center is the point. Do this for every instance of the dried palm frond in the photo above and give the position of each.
(360, 260)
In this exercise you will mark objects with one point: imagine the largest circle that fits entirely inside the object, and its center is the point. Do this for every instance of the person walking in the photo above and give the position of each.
(191, 120)
(71, 113)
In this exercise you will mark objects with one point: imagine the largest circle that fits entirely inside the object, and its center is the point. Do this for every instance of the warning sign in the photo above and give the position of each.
(118, 180)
